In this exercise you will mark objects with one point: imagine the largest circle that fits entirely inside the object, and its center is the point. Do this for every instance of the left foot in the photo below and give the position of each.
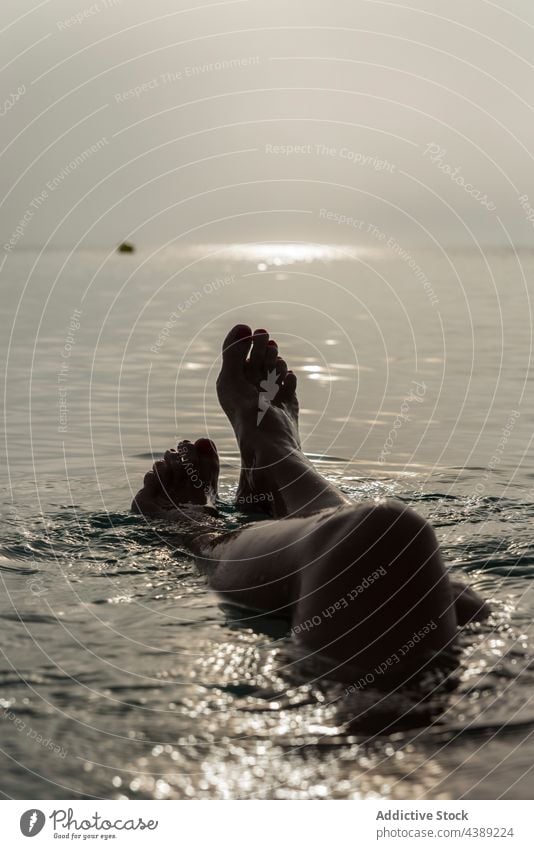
(186, 476)
(258, 394)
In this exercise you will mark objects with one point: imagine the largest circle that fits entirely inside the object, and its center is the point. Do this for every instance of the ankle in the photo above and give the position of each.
(286, 451)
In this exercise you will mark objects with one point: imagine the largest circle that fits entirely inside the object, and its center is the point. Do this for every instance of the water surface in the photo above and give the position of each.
(121, 676)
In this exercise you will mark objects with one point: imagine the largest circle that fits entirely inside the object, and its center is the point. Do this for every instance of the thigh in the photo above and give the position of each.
(374, 580)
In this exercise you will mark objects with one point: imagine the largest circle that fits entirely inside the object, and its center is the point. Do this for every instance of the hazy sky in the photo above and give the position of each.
(261, 119)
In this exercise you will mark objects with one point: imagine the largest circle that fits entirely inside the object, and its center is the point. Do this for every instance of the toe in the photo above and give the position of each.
(162, 473)
(185, 451)
(281, 370)
(208, 462)
(236, 347)
(171, 457)
(288, 388)
(191, 465)
(271, 355)
(260, 341)
(207, 448)
(188, 458)
(174, 467)
(151, 483)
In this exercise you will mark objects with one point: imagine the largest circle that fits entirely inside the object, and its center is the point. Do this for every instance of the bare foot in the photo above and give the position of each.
(186, 476)
(258, 394)
(247, 388)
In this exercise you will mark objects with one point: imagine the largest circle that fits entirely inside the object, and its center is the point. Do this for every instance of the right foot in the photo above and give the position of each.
(187, 476)
(258, 394)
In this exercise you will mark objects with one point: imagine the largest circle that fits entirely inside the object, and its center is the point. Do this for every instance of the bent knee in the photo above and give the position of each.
(380, 582)
(387, 530)
(390, 540)
(391, 514)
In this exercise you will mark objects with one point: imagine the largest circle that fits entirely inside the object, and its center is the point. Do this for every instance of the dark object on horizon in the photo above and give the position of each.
(126, 248)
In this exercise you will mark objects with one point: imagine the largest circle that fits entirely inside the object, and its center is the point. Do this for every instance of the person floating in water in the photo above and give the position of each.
(358, 582)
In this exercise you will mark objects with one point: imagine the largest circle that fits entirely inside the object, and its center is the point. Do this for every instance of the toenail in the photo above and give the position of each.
(261, 330)
(271, 342)
(243, 332)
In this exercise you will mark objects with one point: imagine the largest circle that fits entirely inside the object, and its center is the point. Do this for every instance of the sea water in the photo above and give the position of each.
(121, 674)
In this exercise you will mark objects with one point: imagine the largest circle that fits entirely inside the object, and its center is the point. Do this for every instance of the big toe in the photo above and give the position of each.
(162, 473)
(235, 348)
(258, 353)
(208, 462)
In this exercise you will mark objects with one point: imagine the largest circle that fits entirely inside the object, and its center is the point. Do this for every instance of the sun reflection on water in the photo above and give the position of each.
(269, 254)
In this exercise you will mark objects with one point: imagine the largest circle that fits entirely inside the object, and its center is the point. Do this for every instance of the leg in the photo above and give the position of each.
(470, 607)
(357, 582)
(267, 434)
